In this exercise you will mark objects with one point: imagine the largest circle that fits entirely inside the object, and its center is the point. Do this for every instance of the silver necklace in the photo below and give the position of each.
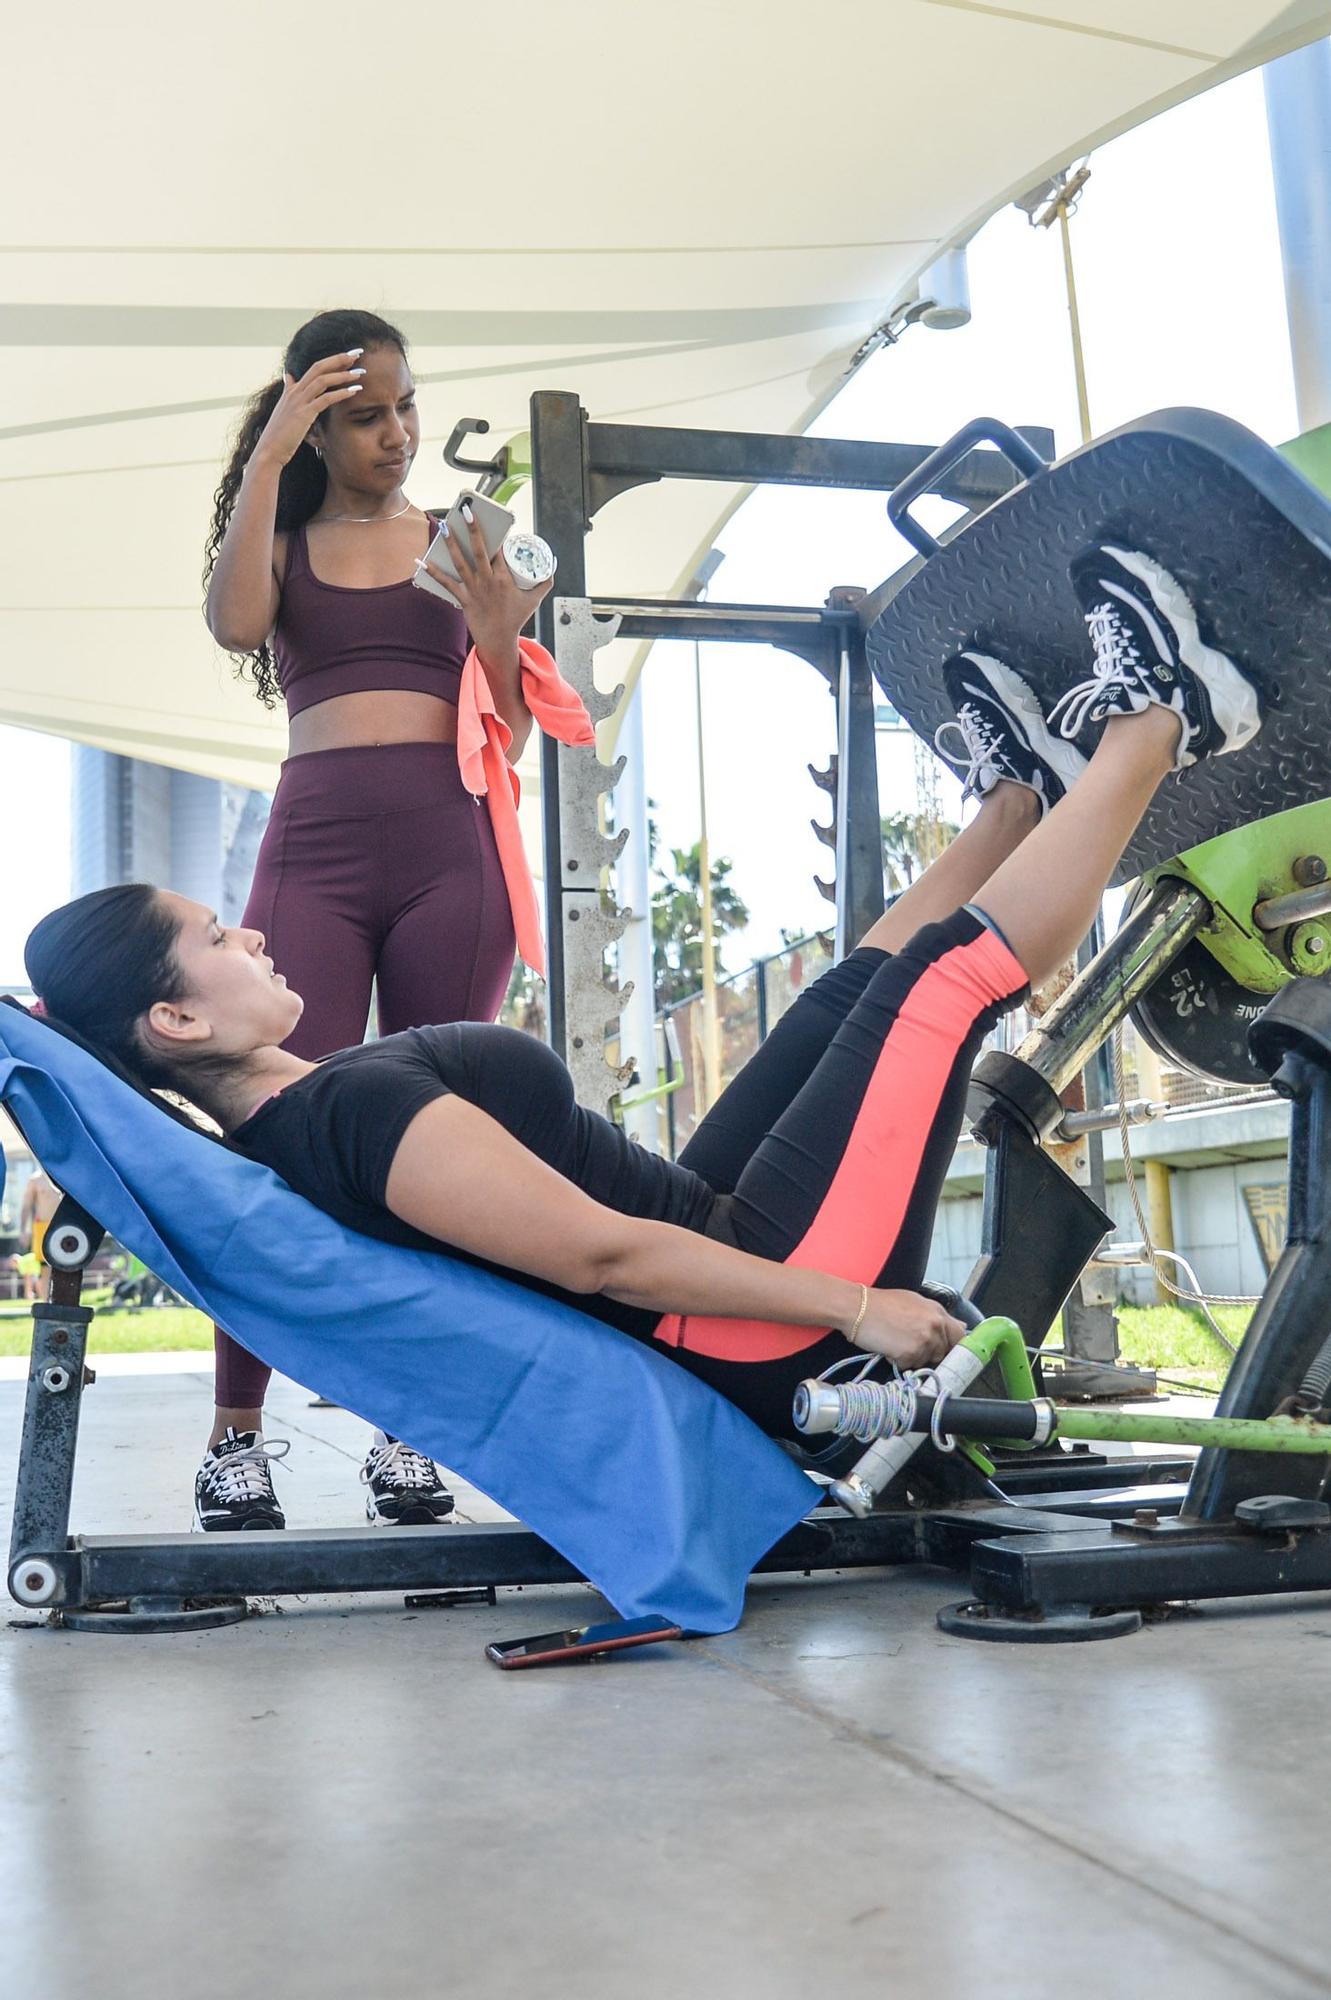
(366, 520)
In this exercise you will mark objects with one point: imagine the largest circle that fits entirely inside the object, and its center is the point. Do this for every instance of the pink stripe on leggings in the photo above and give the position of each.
(860, 1217)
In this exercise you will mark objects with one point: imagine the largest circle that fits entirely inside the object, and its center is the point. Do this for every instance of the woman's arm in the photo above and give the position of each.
(459, 1176)
(503, 669)
(243, 591)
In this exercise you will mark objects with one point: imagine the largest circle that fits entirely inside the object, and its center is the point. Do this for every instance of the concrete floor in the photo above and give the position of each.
(344, 1798)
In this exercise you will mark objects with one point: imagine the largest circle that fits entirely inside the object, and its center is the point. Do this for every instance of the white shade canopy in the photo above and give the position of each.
(688, 214)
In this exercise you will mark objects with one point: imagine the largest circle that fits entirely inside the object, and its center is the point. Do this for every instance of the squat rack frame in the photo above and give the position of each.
(578, 467)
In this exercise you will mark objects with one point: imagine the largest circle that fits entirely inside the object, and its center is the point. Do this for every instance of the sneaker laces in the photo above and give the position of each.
(398, 1466)
(982, 743)
(246, 1474)
(1118, 663)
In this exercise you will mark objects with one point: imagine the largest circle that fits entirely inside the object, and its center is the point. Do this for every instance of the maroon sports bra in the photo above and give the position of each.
(332, 639)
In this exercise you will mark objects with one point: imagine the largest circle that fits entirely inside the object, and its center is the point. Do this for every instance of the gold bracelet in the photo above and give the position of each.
(859, 1317)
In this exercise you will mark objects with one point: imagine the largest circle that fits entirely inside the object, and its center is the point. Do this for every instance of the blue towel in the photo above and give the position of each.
(660, 1491)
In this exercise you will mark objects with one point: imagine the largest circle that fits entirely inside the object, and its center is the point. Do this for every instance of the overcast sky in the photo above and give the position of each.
(1179, 278)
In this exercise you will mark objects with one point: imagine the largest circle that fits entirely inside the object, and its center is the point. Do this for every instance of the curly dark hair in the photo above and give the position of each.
(301, 489)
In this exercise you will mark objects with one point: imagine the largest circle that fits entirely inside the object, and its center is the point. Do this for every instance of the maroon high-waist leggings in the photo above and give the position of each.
(376, 867)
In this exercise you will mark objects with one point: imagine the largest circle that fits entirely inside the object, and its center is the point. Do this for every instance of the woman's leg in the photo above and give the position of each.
(314, 898)
(849, 1178)
(728, 1136)
(860, 1201)
(1044, 897)
(1038, 880)
(1017, 768)
(753, 1101)
(1007, 815)
(448, 947)
(937, 998)
(446, 955)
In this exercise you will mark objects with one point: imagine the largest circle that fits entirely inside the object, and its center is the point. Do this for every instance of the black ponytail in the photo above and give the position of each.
(97, 965)
(304, 481)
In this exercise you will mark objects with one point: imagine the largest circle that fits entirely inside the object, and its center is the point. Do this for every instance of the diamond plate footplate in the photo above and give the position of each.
(1248, 538)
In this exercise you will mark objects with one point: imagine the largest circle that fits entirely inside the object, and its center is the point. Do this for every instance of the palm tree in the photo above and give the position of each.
(677, 944)
(909, 843)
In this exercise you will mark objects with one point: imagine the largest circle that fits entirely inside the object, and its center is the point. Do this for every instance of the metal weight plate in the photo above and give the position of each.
(1197, 1017)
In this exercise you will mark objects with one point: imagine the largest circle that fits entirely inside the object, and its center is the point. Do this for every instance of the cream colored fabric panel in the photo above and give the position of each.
(691, 216)
(1214, 29)
(619, 124)
(146, 684)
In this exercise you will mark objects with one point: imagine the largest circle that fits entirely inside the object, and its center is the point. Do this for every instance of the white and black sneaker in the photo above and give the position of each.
(1003, 732)
(234, 1486)
(404, 1487)
(1148, 650)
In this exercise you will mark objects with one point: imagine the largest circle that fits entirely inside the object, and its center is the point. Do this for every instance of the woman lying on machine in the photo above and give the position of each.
(794, 1230)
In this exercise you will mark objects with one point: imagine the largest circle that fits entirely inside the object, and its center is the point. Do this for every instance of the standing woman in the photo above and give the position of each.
(376, 865)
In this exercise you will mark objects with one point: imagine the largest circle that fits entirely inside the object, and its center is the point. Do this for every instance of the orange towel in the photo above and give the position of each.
(483, 740)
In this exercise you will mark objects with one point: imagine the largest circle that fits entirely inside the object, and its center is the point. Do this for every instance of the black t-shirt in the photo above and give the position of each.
(333, 1135)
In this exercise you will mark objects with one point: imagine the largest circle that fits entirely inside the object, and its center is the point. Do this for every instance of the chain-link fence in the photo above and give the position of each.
(749, 1003)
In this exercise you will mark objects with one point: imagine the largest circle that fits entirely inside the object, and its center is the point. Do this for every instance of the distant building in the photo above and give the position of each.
(137, 822)
(1228, 1164)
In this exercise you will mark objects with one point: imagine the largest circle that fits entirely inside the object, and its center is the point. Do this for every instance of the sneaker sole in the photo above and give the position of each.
(413, 1517)
(1234, 704)
(250, 1527)
(1063, 758)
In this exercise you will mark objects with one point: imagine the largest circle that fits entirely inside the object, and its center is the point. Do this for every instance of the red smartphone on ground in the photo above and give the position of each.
(586, 1642)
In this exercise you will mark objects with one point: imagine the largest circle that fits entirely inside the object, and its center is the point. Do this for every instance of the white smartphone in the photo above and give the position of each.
(494, 523)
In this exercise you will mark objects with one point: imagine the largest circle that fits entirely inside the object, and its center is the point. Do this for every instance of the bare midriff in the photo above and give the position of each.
(352, 721)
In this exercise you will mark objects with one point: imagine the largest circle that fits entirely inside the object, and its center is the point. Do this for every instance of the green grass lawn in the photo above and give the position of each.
(1174, 1339)
(162, 1329)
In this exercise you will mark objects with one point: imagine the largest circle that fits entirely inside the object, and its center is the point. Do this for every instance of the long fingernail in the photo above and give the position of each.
(467, 514)
(357, 371)
(355, 388)
(443, 529)
(353, 353)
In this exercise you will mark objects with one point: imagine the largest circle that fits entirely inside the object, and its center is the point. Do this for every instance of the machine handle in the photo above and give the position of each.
(492, 472)
(982, 430)
(952, 1301)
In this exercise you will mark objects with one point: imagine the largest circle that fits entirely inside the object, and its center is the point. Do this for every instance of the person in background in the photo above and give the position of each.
(377, 869)
(40, 1200)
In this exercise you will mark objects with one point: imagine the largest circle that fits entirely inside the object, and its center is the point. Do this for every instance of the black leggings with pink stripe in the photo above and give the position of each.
(831, 1146)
